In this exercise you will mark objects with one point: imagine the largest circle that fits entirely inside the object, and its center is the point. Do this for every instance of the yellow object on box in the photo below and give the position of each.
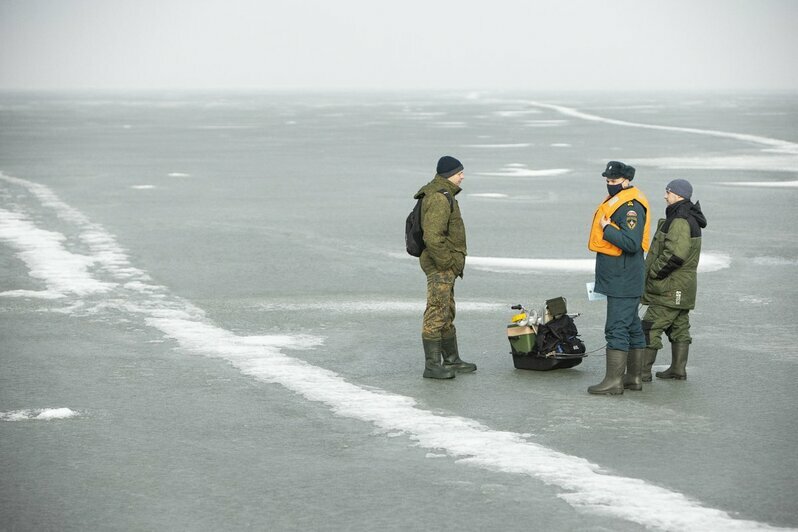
(518, 317)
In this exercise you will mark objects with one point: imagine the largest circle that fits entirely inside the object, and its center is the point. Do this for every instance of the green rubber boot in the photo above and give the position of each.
(451, 357)
(678, 369)
(633, 380)
(613, 379)
(432, 363)
(649, 356)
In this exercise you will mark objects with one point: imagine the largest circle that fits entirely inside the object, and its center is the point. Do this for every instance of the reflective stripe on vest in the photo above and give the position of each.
(607, 208)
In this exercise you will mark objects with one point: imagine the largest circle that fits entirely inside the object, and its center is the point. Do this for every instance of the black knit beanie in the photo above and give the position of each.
(448, 166)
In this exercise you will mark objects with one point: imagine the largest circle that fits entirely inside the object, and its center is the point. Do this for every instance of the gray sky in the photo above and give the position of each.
(425, 44)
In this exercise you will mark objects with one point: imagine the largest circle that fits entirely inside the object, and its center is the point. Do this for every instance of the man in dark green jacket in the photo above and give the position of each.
(671, 279)
(443, 260)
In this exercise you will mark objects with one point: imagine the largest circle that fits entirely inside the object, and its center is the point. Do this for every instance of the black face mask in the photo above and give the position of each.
(614, 189)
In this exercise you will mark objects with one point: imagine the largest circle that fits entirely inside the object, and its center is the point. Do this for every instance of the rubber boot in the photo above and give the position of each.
(451, 357)
(432, 363)
(678, 367)
(613, 380)
(649, 356)
(633, 380)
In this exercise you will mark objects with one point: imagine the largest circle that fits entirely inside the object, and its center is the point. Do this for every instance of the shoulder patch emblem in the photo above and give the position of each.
(631, 219)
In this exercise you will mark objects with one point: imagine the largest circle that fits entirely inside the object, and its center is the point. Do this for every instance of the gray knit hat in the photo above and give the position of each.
(680, 187)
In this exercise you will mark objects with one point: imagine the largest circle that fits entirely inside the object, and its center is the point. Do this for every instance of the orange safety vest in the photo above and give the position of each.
(607, 208)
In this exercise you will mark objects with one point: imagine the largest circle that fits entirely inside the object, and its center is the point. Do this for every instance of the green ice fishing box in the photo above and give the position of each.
(523, 340)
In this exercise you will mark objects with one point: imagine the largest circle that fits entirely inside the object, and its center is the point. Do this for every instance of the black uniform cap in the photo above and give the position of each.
(616, 169)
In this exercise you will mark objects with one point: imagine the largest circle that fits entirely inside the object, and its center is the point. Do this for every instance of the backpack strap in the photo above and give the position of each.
(448, 197)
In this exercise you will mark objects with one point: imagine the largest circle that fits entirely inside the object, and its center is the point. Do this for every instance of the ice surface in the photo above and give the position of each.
(545, 123)
(376, 307)
(44, 414)
(709, 262)
(449, 125)
(775, 261)
(276, 271)
(516, 113)
(774, 163)
(765, 184)
(492, 195)
(585, 486)
(514, 171)
(781, 146)
(44, 253)
(490, 146)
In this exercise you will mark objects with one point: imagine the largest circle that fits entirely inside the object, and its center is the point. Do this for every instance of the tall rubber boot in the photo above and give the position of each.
(451, 357)
(613, 380)
(432, 362)
(633, 380)
(678, 369)
(649, 356)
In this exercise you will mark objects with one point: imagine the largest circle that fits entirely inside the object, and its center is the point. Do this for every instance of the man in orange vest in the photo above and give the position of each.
(620, 237)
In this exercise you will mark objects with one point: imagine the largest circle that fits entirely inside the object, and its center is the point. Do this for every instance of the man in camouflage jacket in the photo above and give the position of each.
(443, 260)
(671, 279)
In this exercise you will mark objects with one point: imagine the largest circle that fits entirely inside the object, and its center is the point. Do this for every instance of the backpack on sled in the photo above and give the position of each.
(545, 342)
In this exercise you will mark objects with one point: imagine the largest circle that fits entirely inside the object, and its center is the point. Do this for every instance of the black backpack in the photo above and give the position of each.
(414, 235)
(559, 336)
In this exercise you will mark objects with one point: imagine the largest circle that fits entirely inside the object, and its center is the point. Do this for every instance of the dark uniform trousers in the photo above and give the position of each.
(623, 329)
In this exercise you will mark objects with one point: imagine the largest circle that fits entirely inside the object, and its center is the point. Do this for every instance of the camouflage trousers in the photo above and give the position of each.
(439, 314)
(674, 322)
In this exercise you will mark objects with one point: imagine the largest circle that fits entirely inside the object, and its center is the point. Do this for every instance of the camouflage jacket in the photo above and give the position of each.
(444, 231)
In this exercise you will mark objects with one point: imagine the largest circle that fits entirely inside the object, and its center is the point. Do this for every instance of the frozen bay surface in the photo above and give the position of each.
(208, 320)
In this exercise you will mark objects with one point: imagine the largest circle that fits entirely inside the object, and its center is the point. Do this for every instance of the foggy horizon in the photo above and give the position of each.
(352, 45)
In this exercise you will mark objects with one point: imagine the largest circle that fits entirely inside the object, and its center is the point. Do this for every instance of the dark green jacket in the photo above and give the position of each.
(672, 261)
(622, 276)
(444, 231)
